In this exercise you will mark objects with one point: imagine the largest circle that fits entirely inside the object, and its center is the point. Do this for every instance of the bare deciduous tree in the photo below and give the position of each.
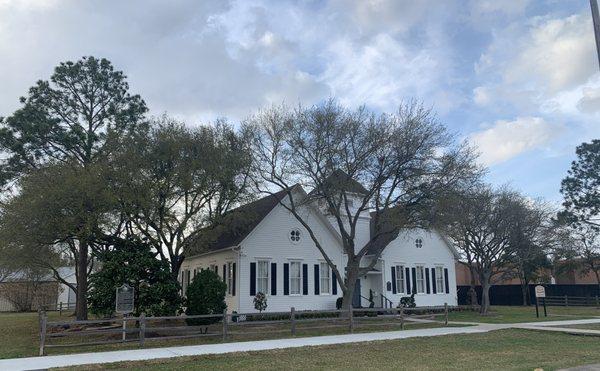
(479, 224)
(356, 163)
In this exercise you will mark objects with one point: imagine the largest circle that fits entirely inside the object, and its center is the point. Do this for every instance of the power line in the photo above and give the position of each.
(596, 19)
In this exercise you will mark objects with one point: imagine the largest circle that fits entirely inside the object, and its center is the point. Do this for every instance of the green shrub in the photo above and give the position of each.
(408, 301)
(205, 295)
(260, 302)
(132, 261)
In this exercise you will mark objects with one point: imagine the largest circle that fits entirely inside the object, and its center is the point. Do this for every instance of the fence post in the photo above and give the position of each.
(224, 324)
(401, 318)
(142, 329)
(293, 320)
(60, 309)
(597, 301)
(124, 331)
(43, 322)
(351, 318)
(566, 301)
(445, 314)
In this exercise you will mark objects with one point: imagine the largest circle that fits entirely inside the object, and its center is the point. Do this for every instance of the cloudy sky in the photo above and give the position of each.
(519, 79)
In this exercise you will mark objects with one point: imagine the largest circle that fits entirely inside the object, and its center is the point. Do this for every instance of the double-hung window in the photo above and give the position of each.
(295, 278)
(439, 280)
(420, 278)
(400, 284)
(325, 278)
(262, 277)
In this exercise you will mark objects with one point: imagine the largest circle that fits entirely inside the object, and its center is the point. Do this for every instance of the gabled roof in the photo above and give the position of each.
(339, 180)
(386, 224)
(235, 225)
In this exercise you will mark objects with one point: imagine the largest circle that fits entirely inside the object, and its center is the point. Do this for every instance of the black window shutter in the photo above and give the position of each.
(273, 278)
(286, 278)
(407, 279)
(252, 279)
(446, 280)
(394, 288)
(427, 279)
(414, 279)
(304, 279)
(433, 280)
(333, 283)
(224, 272)
(233, 279)
(317, 281)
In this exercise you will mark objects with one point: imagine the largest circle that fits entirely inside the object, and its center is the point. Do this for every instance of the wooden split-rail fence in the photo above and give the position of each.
(571, 301)
(142, 329)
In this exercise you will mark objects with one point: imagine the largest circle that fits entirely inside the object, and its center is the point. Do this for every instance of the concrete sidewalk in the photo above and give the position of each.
(35, 363)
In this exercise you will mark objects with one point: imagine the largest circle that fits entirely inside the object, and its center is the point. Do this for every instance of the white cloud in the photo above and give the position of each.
(380, 73)
(507, 139)
(481, 95)
(529, 63)
(508, 7)
(590, 100)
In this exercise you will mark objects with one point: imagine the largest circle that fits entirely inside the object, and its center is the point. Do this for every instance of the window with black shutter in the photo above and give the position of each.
(252, 279)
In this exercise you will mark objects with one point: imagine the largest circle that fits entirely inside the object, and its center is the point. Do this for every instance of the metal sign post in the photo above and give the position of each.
(540, 293)
(124, 300)
(124, 305)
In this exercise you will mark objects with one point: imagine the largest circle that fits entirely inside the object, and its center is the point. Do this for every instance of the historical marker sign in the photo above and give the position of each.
(540, 291)
(124, 302)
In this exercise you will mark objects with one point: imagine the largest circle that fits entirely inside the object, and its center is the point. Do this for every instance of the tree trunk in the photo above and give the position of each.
(82, 284)
(485, 298)
(351, 277)
(484, 279)
(525, 293)
(472, 296)
(472, 291)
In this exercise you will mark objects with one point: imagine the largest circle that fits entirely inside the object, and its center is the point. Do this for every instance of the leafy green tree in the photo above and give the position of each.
(205, 295)
(171, 180)
(69, 121)
(60, 210)
(132, 262)
(581, 187)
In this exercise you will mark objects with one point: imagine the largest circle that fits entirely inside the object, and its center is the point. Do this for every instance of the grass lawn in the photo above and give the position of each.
(21, 336)
(516, 314)
(20, 333)
(590, 326)
(496, 350)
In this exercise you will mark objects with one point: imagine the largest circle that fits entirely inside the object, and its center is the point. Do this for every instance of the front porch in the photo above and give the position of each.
(370, 289)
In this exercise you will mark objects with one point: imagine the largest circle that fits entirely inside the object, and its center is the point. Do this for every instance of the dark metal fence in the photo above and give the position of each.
(512, 295)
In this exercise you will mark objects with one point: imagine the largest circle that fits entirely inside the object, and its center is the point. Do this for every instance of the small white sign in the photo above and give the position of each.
(540, 291)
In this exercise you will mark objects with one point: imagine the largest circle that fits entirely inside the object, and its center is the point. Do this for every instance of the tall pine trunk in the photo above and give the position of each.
(82, 282)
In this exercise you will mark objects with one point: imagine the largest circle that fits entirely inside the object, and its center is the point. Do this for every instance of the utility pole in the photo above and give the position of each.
(596, 19)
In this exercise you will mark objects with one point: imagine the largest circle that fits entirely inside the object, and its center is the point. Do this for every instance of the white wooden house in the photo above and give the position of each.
(263, 248)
